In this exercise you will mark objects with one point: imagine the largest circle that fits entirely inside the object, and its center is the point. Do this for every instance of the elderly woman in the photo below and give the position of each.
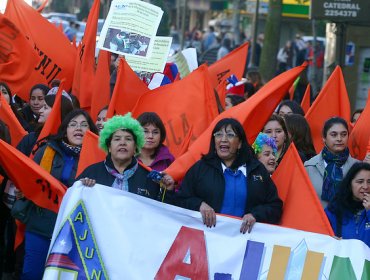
(349, 212)
(230, 180)
(265, 149)
(122, 137)
(327, 169)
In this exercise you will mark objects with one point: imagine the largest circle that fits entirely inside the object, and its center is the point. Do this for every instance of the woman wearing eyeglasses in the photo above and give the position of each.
(59, 156)
(230, 180)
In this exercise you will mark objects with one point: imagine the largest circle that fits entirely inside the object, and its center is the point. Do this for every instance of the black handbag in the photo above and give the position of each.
(21, 210)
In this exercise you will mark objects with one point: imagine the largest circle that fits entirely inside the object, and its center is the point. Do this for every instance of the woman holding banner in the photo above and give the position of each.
(349, 212)
(122, 137)
(60, 158)
(230, 180)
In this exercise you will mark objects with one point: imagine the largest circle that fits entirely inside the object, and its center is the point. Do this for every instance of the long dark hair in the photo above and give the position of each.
(4, 132)
(343, 204)
(245, 153)
(62, 131)
(332, 121)
(153, 118)
(300, 133)
(66, 104)
(294, 106)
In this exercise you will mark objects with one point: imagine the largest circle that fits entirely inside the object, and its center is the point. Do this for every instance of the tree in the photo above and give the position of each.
(272, 39)
(84, 12)
(164, 27)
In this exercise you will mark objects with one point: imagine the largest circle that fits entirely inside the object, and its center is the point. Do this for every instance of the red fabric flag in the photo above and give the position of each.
(300, 199)
(90, 152)
(332, 101)
(185, 144)
(222, 92)
(55, 52)
(252, 114)
(85, 60)
(127, 90)
(17, 132)
(172, 103)
(38, 185)
(232, 63)
(359, 137)
(306, 100)
(18, 60)
(101, 90)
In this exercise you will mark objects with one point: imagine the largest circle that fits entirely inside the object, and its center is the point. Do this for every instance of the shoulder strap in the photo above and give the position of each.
(47, 159)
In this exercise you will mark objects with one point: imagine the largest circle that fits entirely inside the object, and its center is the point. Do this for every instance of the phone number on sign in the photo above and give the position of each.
(341, 13)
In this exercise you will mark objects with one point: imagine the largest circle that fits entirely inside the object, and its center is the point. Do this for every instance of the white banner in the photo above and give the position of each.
(104, 233)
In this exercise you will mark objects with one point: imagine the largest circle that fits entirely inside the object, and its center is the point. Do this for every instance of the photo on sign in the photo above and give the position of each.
(121, 41)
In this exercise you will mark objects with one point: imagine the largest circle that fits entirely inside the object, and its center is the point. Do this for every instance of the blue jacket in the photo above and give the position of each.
(357, 227)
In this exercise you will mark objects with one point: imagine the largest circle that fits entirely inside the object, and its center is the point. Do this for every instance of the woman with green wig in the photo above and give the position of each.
(122, 137)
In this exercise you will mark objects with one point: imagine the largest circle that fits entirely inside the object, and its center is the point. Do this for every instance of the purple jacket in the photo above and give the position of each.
(162, 160)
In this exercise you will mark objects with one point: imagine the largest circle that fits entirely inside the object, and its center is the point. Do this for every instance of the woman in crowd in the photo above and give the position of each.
(265, 149)
(288, 107)
(28, 142)
(60, 158)
(230, 180)
(326, 170)
(122, 137)
(36, 101)
(275, 128)
(349, 212)
(299, 133)
(7, 94)
(255, 78)
(154, 153)
(356, 114)
(102, 118)
(232, 100)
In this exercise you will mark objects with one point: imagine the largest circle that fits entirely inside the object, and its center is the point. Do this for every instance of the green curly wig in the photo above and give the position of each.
(122, 122)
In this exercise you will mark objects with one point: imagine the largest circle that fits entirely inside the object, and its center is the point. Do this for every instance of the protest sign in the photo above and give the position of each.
(105, 233)
(130, 28)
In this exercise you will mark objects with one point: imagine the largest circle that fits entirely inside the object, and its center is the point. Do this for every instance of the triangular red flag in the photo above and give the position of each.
(172, 102)
(38, 185)
(331, 101)
(18, 60)
(360, 134)
(232, 63)
(185, 144)
(85, 60)
(261, 104)
(127, 91)
(300, 199)
(101, 90)
(56, 54)
(90, 152)
(306, 100)
(17, 132)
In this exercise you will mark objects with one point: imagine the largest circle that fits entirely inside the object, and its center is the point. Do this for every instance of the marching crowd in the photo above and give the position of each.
(232, 178)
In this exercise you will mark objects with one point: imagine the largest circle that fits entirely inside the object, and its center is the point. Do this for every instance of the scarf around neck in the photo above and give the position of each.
(333, 174)
(121, 181)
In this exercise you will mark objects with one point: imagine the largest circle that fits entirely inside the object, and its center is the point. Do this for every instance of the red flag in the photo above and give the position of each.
(300, 199)
(221, 92)
(17, 132)
(232, 63)
(127, 90)
(306, 100)
(38, 185)
(261, 104)
(331, 101)
(359, 137)
(55, 52)
(180, 105)
(18, 60)
(85, 62)
(101, 90)
(185, 144)
(90, 152)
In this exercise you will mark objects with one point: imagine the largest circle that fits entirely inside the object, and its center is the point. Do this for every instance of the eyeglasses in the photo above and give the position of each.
(80, 125)
(228, 135)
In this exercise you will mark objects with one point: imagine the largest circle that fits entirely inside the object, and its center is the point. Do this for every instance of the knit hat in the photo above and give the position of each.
(125, 122)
